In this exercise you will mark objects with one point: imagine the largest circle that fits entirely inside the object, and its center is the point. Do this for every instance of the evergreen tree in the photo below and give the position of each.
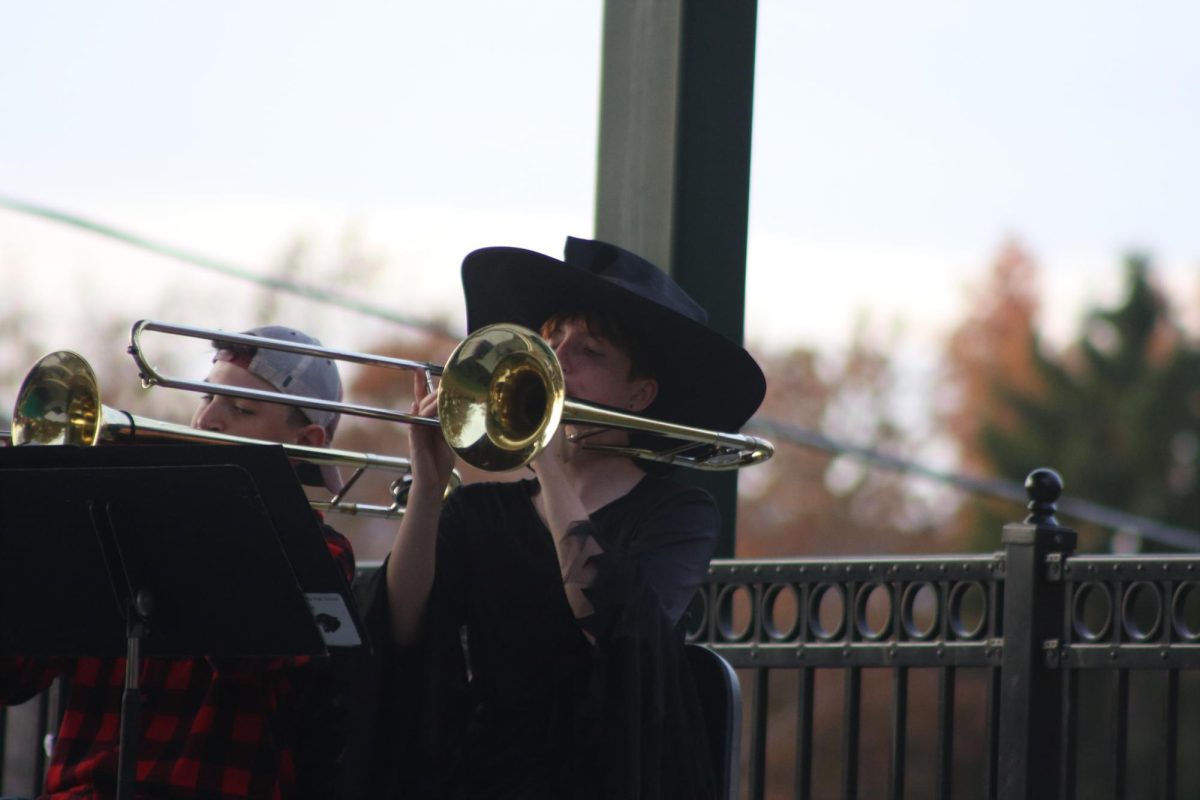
(1118, 413)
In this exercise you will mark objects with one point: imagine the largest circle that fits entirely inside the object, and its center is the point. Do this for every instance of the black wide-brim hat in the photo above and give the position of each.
(704, 379)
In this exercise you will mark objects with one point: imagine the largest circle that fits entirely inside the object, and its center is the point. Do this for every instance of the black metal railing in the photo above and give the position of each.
(1028, 673)
(1031, 672)
(862, 618)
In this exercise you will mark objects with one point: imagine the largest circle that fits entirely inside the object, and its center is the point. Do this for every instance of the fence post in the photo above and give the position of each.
(1030, 686)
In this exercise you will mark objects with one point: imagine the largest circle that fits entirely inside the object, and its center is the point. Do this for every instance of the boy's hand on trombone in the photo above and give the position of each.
(432, 459)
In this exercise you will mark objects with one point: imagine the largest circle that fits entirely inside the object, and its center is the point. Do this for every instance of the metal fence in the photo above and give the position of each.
(788, 624)
(1027, 673)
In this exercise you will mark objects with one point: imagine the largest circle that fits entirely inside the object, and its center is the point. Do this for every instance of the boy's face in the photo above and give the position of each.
(596, 370)
(252, 419)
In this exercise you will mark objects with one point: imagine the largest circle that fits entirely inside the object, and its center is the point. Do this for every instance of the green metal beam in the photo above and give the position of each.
(673, 173)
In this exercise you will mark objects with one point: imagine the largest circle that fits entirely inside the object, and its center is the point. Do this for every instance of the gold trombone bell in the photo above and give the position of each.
(58, 403)
(500, 398)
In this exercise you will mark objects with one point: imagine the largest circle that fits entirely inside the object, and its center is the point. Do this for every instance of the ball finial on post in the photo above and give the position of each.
(1043, 487)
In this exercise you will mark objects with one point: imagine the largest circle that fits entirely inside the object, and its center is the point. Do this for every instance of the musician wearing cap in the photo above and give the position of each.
(538, 651)
(274, 370)
(239, 728)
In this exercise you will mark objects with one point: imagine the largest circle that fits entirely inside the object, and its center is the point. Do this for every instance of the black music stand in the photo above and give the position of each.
(163, 551)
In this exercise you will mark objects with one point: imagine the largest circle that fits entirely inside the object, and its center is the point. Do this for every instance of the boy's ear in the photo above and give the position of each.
(646, 389)
(312, 435)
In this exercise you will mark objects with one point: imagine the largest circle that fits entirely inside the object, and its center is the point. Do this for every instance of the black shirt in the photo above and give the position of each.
(506, 697)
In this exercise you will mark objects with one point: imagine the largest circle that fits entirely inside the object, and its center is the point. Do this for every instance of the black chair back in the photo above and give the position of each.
(721, 698)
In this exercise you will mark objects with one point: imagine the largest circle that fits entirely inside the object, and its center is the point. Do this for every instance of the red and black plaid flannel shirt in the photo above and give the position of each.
(255, 729)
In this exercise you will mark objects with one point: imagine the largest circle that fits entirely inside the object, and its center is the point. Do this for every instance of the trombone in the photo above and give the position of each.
(59, 403)
(501, 397)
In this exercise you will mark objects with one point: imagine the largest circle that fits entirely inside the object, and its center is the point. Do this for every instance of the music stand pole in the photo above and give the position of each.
(137, 626)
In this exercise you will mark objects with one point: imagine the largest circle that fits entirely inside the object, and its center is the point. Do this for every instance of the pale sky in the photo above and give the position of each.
(896, 145)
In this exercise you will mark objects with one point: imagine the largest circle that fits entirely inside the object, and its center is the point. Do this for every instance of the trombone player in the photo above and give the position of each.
(535, 624)
(234, 729)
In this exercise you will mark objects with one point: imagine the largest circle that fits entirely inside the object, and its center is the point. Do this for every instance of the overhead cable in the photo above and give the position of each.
(297, 288)
(1086, 510)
